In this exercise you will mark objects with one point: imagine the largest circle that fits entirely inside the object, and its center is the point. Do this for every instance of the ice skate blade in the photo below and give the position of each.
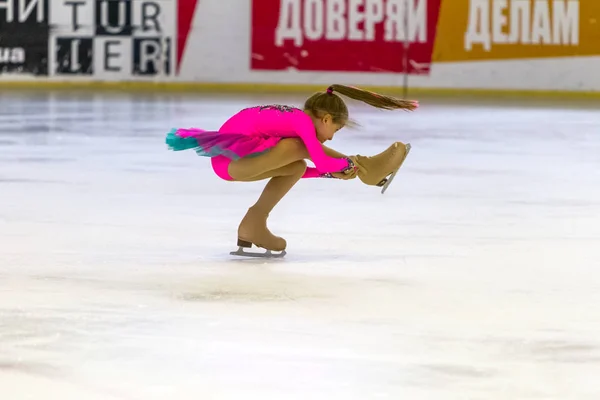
(388, 181)
(267, 254)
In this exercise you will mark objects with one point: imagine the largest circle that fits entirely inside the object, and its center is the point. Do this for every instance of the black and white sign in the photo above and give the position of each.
(75, 55)
(114, 38)
(24, 33)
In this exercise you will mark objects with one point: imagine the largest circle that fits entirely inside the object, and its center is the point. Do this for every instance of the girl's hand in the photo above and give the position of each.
(358, 166)
(351, 174)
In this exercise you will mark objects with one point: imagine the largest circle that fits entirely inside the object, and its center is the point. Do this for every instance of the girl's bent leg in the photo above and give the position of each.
(275, 162)
(253, 228)
(284, 153)
(283, 171)
(285, 165)
(279, 186)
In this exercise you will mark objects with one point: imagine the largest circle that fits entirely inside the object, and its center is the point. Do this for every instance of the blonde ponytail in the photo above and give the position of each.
(373, 99)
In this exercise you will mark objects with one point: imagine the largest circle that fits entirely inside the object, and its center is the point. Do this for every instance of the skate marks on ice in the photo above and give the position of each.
(253, 285)
(300, 256)
(38, 347)
(21, 386)
(15, 365)
(301, 250)
(44, 331)
(303, 255)
(249, 288)
(555, 346)
(249, 281)
(487, 377)
(454, 293)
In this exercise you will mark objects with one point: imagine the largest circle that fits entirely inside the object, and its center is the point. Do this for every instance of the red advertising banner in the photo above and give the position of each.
(384, 36)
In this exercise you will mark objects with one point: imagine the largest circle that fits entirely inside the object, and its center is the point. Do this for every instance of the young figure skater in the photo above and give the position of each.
(273, 142)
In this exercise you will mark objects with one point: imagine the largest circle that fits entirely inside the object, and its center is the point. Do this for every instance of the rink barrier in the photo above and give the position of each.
(436, 48)
(249, 88)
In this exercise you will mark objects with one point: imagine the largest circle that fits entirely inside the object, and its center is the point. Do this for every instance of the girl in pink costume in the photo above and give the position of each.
(273, 142)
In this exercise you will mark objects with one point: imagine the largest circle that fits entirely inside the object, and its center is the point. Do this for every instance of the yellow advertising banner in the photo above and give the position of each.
(471, 30)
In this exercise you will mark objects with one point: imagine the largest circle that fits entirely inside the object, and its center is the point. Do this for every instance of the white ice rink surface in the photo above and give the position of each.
(476, 276)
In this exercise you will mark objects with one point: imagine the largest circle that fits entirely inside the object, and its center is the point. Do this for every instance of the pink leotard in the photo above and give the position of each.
(268, 125)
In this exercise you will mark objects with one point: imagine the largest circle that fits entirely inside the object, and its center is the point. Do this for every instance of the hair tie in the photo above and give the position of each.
(330, 90)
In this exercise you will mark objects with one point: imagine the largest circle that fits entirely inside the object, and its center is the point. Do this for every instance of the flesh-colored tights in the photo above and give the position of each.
(285, 164)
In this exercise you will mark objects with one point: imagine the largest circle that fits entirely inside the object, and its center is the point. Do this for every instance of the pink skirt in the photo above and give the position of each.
(222, 148)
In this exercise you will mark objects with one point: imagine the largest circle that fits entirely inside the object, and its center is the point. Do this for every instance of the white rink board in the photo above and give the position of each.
(218, 50)
(209, 61)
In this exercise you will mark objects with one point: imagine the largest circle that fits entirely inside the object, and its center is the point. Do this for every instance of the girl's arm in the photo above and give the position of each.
(303, 126)
(333, 153)
(280, 119)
